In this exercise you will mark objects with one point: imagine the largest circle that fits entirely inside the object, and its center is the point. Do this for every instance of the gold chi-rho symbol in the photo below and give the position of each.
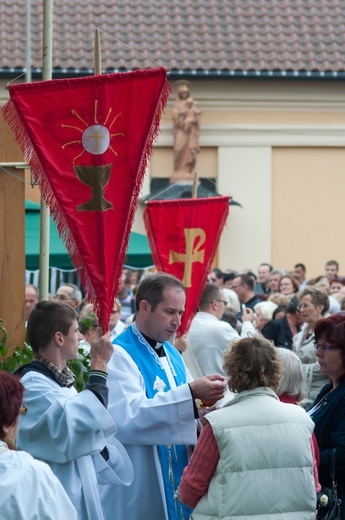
(195, 239)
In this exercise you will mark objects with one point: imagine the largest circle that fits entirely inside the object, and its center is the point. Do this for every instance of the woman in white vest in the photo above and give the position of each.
(253, 458)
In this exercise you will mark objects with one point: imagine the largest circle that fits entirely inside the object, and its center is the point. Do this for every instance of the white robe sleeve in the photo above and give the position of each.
(167, 418)
(228, 334)
(61, 425)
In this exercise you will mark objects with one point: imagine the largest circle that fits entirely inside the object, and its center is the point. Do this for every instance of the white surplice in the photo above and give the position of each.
(68, 431)
(29, 489)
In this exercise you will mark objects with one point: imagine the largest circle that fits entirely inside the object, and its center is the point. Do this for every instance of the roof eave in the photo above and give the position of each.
(36, 73)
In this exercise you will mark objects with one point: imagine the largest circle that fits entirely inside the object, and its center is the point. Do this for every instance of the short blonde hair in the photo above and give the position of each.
(317, 296)
(278, 298)
(252, 362)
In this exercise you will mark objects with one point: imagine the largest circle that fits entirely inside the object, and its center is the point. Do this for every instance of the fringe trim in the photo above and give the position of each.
(103, 308)
(18, 126)
(187, 319)
(143, 164)
(151, 239)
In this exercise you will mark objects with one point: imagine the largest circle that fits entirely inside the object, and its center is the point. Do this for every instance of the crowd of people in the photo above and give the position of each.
(243, 416)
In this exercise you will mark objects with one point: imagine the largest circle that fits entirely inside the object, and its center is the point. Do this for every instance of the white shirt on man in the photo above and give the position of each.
(210, 337)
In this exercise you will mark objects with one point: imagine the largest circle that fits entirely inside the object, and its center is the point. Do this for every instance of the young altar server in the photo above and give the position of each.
(151, 399)
(72, 432)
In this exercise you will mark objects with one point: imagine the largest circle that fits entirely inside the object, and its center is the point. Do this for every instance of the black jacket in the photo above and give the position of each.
(279, 332)
(329, 422)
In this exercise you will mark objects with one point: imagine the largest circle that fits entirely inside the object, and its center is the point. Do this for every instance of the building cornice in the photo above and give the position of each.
(263, 135)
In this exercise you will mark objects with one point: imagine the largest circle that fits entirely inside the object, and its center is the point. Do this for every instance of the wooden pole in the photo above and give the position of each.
(12, 251)
(195, 186)
(98, 58)
(28, 74)
(188, 355)
(44, 223)
(189, 251)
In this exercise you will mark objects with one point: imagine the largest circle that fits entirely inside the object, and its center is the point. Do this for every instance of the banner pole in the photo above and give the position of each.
(28, 75)
(195, 186)
(44, 223)
(98, 58)
(189, 251)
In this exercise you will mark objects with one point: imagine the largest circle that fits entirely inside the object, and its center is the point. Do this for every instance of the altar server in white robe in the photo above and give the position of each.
(151, 399)
(72, 432)
(28, 487)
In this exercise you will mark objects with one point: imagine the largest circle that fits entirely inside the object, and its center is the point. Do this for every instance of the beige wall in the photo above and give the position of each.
(307, 207)
(245, 173)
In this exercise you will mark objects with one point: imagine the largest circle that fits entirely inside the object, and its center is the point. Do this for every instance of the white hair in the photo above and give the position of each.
(334, 305)
(292, 381)
(76, 294)
(267, 309)
(232, 299)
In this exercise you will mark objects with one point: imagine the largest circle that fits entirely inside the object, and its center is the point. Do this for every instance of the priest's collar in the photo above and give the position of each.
(156, 345)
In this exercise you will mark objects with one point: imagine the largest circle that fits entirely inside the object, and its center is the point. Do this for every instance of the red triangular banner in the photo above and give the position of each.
(88, 141)
(184, 235)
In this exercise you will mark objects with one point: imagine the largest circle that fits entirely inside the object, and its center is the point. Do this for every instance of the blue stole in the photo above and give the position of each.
(173, 459)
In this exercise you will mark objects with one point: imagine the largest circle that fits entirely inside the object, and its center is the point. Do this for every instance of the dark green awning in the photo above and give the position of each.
(138, 253)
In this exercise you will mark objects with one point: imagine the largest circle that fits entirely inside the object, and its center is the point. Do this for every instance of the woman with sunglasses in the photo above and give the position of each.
(328, 410)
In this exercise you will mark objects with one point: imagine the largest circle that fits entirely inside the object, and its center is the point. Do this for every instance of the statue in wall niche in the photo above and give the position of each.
(186, 121)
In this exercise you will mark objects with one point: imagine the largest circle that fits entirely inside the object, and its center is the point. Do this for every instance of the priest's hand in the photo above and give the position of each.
(101, 351)
(209, 388)
(248, 314)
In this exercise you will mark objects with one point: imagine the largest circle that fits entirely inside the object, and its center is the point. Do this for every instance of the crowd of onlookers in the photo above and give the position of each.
(286, 308)
(271, 293)
(278, 285)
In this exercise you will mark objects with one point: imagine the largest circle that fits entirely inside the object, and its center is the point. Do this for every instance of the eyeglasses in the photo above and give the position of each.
(325, 348)
(23, 409)
(62, 297)
(223, 301)
(305, 306)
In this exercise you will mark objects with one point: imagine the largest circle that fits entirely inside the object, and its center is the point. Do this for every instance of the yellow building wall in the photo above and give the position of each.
(308, 207)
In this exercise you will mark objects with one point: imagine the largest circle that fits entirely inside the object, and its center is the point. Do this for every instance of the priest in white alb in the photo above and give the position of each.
(151, 399)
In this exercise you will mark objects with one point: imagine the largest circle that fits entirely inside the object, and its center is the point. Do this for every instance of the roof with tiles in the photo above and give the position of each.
(190, 37)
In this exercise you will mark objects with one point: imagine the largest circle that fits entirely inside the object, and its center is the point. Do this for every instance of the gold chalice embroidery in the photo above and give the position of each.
(95, 139)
